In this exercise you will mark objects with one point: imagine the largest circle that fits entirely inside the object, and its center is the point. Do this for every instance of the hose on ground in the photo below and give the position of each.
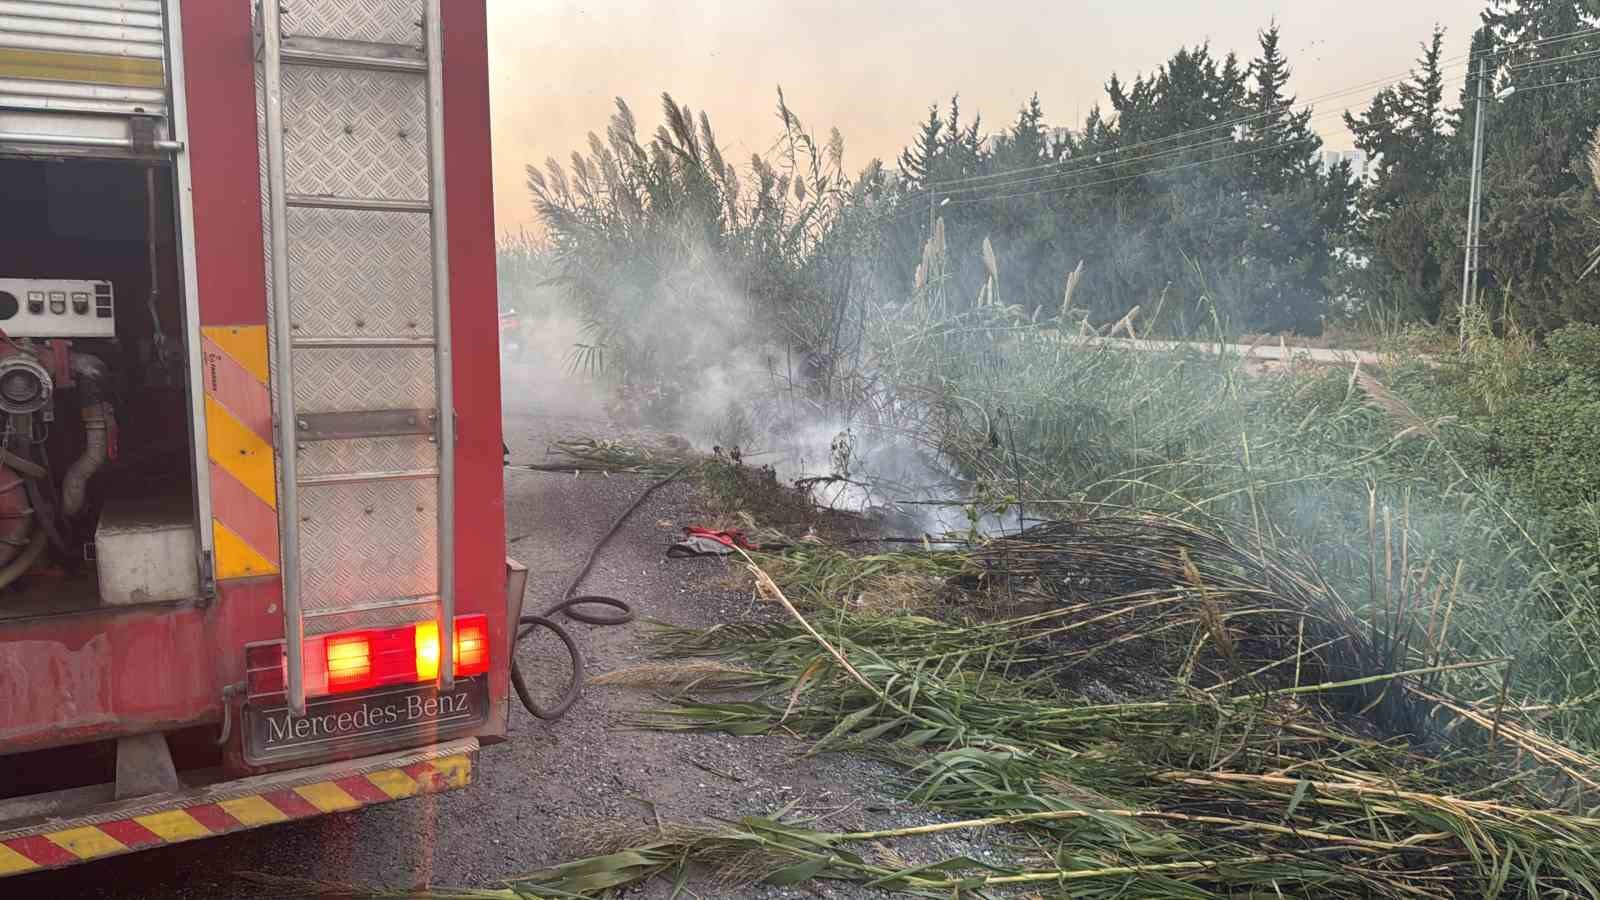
(571, 605)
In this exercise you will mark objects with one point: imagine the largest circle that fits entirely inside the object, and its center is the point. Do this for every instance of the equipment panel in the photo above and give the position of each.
(54, 308)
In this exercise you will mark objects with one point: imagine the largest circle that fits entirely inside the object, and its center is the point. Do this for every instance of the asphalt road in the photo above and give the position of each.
(534, 798)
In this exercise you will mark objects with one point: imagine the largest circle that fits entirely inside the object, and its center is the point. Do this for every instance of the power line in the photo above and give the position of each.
(1225, 124)
(1228, 124)
(1065, 172)
(1171, 152)
(1554, 60)
(1007, 180)
(1551, 84)
(1254, 151)
(1062, 170)
(1516, 47)
(1445, 65)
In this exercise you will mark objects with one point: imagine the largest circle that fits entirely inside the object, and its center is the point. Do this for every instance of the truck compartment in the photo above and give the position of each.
(143, 570)
(97, 501)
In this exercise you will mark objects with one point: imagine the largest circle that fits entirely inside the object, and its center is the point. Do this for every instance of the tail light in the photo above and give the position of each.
(371, 658)
(425, 641)
(472, 646)
(350, 662)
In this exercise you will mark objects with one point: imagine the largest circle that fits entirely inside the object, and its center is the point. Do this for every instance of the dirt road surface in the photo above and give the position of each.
(533, 797)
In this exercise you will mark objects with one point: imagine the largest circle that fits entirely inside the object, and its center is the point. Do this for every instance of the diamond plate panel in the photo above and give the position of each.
(356, 273)
(367, 542)
(353, 133)
(266, 208)
(357, 378)
(379, 21)
(387, 454)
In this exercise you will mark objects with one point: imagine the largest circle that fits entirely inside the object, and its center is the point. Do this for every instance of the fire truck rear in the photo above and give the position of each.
(251, 516)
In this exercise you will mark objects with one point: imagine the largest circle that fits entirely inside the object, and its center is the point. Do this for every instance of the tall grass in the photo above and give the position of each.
(525, 271)
(1250, 762)
(1305, 566)
(675, 256)
(1372, 474)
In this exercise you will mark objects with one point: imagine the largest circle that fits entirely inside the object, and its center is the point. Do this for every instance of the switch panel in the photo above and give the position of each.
(57, 308)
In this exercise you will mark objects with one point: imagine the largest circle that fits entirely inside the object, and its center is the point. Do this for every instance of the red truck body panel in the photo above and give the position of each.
(98, 674)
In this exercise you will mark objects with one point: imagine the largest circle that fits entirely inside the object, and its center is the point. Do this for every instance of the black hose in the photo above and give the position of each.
(569, 606)
(24, 467)
(45, 514)
(30, 555)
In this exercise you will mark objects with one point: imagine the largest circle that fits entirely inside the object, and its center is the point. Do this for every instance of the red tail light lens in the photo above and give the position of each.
(363, 660)
(472, 646)
(350, 663)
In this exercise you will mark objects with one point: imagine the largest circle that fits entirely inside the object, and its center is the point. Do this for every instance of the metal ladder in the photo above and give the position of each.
(351, 336)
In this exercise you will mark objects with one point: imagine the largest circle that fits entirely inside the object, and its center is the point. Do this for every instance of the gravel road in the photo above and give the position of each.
(533, 796)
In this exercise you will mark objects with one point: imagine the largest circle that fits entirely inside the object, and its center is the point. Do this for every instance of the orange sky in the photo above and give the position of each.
(872, 68)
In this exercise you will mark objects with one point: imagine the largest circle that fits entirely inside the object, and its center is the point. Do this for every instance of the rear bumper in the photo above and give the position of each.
(139, 824)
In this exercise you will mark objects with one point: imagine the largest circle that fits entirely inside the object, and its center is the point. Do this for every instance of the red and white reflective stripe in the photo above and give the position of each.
(65, 843)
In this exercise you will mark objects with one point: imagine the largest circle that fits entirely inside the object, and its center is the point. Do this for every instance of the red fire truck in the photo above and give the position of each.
(251, 534)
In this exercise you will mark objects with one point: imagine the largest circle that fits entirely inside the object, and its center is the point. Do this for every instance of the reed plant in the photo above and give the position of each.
(1273, 742)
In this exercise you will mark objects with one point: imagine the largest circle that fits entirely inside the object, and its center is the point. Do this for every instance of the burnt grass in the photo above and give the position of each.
(1138, 608)
(1142, 628)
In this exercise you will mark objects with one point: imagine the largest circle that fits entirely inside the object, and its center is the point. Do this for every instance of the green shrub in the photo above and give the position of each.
(1546, 437)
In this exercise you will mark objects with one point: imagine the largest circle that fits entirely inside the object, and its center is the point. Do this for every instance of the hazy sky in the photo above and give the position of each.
(871, 68)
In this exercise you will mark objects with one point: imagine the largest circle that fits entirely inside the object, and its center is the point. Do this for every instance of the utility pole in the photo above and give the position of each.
(1469, 266)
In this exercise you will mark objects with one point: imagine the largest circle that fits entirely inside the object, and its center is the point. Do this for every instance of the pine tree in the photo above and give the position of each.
(1294, 211)
(1283, 145)
(1523, 21)
(1403, 132)
(1544, 45)
(1421, 101)
(918, 161)
(1536, 200)
(1483, 47)
(1025, 143)
(1377, 133)
(963, 154)
(1234, 78)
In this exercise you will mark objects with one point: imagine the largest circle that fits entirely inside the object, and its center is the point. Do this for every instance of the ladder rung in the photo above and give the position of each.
(371, 605)
(356, 343)
(364, 423)
(340, 61)
(342, 54)
(369, 204)
(367, 477)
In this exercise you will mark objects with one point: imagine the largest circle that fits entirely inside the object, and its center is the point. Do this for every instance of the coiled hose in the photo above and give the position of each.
(569, 606)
